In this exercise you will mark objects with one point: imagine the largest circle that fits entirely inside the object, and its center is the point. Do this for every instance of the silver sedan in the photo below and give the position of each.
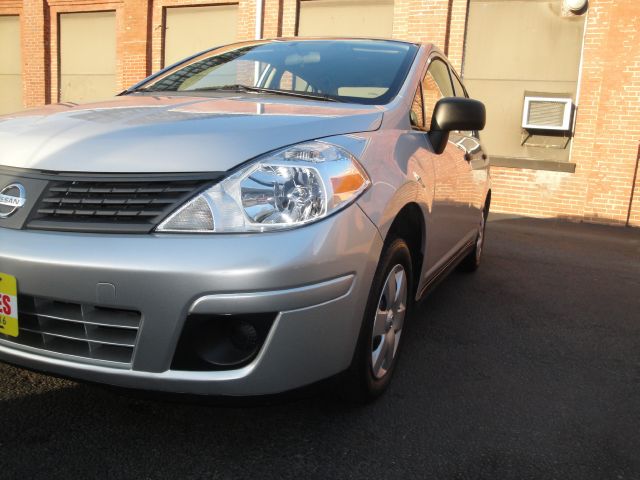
(254, 219)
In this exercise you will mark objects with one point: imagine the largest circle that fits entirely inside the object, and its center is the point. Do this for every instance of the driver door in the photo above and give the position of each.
(451, 226)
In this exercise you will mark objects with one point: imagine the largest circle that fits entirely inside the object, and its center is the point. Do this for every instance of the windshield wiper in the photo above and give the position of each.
(248, 89)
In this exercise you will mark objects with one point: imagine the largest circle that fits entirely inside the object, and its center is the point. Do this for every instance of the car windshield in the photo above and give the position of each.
(357, 71)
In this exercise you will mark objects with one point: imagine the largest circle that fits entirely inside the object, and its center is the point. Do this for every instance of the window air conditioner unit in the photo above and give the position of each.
(547, 113)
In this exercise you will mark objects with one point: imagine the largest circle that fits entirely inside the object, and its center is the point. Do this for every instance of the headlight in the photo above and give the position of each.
(285, 189)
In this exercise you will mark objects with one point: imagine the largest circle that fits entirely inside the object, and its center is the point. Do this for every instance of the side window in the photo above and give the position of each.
(416, 114)
(289, 81)
(436, 85)
(457, 85)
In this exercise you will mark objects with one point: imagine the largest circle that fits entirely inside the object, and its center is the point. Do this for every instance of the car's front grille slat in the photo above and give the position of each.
(133, 206)
(71, 312)
(85, 333)
(103, 316)
(51, 309)
(90, 332)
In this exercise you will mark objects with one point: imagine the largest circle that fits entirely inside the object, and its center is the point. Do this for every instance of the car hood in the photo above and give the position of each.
(140, 133)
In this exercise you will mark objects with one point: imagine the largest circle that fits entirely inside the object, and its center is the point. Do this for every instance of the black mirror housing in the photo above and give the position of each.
(455, 113)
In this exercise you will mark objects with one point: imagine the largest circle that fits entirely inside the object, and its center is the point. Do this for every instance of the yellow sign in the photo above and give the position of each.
(8, 305)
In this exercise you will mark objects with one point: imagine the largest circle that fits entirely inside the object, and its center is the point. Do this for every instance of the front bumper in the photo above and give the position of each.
(317, 278)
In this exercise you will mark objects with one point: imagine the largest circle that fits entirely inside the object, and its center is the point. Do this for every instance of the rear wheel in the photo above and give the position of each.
(383, 325)
(471, 262)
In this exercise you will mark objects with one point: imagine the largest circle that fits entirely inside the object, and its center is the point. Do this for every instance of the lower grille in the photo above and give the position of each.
(94, 333)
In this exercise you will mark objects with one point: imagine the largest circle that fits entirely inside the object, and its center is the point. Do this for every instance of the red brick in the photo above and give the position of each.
(606, 185)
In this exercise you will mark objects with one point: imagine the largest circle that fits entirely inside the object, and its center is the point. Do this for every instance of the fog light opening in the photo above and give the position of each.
(244, 336)
(221, 342)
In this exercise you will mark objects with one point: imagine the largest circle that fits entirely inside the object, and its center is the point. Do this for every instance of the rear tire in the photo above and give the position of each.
(385, 319)
(471, 262)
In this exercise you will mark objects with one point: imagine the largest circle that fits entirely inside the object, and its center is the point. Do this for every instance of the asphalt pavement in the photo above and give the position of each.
(528, 369)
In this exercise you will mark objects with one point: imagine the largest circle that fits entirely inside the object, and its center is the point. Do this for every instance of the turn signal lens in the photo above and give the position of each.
(347, 185)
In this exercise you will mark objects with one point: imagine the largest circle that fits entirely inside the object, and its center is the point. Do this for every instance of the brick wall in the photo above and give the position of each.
(442, 22)
(454, 47)
(35, 47)
(634, 207)
(136, 42)
(607, 135)
(272, 18)
(422, 20)
(289, 17)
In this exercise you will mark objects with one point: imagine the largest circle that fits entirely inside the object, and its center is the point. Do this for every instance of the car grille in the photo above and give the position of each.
(110, 206)
(97, 334)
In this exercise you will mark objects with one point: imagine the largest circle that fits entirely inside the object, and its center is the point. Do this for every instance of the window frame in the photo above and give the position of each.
(435, 56)
(417, 127)
(453, 73)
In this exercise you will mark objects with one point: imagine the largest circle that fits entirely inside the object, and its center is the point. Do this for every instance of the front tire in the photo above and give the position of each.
(383, 324)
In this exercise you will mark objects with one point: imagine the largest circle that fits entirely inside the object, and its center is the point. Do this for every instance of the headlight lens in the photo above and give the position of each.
(285, 189)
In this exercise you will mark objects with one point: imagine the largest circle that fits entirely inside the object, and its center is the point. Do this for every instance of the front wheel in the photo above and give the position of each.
(384, 322)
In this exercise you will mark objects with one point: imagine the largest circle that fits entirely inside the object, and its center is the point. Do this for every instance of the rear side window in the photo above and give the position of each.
(435, 85)
(416, 114)
(457, 85)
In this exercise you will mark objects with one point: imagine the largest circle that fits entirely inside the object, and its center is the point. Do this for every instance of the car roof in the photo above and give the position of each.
(327, 38)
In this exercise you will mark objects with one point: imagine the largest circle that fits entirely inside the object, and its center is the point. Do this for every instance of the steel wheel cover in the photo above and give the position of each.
(388, 322)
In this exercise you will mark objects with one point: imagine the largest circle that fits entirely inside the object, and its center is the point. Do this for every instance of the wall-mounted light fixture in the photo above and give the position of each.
(576, 6)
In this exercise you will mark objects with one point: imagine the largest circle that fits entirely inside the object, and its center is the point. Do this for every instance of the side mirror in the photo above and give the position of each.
(455, 113)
